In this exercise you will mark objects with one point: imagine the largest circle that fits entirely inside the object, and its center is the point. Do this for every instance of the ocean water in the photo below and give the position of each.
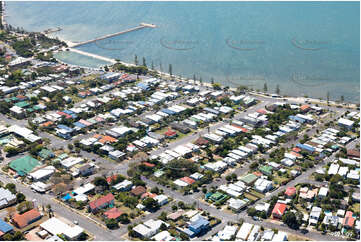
(307, 48)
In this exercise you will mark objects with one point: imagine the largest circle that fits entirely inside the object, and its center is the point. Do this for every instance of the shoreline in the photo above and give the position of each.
(178, 78)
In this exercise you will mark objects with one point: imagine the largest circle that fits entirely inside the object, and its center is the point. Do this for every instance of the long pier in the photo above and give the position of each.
(141, 26)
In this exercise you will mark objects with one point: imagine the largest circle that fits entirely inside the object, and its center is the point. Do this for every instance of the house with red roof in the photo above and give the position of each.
(148, 164)
(29, 217)
(278, 210)
(296, 149)
(290, 192)
(113, 213)
(261, 111)
(148, 194)
(349, 220)
(353, 153)
(201, 141)
(111, 178)
(305, 108)
(170, 133)
(188, 180)
(100, 203)
(138, 191)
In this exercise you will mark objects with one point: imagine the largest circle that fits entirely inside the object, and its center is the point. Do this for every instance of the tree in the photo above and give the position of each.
(170, 70)
(136, 60)
(150, 204)
(328, 97)
(11, 187)
(100, 181)
(228, 178)
(278, 91)
(254, 165)
(24, 206)
(144, 63)
(251, 212)
(265, 88)
(70, 146)
(124, 219)
(20, 197)
(204, 190)
(111, 223)
(291, 220)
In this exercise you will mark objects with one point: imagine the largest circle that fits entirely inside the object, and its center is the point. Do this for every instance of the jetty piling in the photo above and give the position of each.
(141, 26)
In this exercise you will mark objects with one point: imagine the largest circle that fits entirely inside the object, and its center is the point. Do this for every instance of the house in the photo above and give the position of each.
(113, 213)
(278, 210)
(290, 192)
(5, 228)
(307, 194)
(163, 236)
(123, 186)
(170, 134)
(138, 191)
(116, 155)
(353, 153)
(315, 215)
(266, 170)
(103, 202)
(260, 207)
(17, 112)
(345, 123)
(29, 217)
(227, 233)
(349, 220)
(197, 225)
(24, 165)
(6, 198)
(280, 236)
(263, 185)
(86, 169)
(148, 228)
(236, 204)
(42, 174)
(323, 192)
(244, 231)
(161, 199)
(55, 227)
(175, 215)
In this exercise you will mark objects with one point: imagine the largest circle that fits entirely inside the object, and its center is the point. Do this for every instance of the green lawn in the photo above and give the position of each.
(257, 194)
(250, 196)
(356, 207)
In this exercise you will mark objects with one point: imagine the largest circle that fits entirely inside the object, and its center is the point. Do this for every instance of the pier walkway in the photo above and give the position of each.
(141, 26)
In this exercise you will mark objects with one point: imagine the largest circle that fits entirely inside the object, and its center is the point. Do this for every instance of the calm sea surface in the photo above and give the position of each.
(307, 48)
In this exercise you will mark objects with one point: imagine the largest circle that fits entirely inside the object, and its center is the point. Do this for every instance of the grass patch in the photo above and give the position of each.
(257, 194)
(292, 237)
(356, 207)
(250, 196)
(279, 179)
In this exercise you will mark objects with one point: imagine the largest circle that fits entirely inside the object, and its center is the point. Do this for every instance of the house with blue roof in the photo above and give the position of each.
(305, 147)
(143, 85)
(5, 227)
(297, 119)
(197, 226)
(168, 111)
(64, 131)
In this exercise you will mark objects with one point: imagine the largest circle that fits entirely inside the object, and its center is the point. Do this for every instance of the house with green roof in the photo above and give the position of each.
(218, 197)
(249, 179)
(266, 170)
(46, 154)
(22, 104)
(24, 165)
